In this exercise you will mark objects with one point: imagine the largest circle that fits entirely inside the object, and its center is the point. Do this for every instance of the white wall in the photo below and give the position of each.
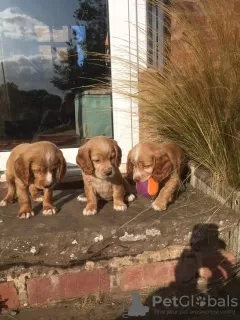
(128, 49)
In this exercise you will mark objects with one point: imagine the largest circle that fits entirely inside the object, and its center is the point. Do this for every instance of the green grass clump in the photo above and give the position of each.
(195, 100)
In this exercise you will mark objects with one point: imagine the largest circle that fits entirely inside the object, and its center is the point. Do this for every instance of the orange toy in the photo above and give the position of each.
(147, 188)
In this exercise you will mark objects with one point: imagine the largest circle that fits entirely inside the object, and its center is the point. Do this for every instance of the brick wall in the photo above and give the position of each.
(37, 287)
(178, 51)
(193, 8)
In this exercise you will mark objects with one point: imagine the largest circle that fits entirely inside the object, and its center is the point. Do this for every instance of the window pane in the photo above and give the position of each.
(50, 67)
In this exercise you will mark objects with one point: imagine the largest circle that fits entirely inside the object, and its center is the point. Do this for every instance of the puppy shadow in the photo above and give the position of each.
(186, 174)
(3, 304)
(59, 200)
(101, 204)
(189, 295)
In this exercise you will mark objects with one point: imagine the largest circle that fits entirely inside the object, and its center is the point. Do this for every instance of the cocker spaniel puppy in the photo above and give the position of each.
(99, 160)
(164, 162)
(34, 168)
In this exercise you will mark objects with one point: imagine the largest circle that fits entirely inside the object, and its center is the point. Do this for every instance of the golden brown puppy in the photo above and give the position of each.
(163, 162)
(99, 160)
(31, 168)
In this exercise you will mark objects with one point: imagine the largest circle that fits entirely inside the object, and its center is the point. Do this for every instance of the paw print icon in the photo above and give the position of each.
(137, 308)
(200, 301)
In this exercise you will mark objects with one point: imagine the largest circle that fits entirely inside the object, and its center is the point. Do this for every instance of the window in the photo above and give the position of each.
(155, 34)
(47, 80)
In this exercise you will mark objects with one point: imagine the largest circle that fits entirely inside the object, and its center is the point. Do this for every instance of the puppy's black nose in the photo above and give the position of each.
(137, 179)
(108, 173)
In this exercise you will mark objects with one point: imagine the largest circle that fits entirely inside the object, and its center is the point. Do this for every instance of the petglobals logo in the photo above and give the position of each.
(136, 309)
(195, 301)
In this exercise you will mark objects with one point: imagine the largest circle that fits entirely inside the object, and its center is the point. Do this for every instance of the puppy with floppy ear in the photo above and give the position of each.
(99, 160)
(32, 168)
(163, 162)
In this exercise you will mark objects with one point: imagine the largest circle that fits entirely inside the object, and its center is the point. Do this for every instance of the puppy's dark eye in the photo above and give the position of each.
(96, 160)
(147, 166)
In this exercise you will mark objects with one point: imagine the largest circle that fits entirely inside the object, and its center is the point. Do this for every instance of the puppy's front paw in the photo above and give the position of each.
(25, 215)
(38, 198)
(82, 198)
(120, 207)
(48, 211)
(159, 206)
(131, 197)
(89, 211)
(3, 203)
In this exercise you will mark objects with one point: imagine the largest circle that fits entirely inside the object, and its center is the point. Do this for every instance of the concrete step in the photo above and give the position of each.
(44, 260)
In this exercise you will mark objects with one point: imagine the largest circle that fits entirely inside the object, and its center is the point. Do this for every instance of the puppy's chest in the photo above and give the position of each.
(103, 188)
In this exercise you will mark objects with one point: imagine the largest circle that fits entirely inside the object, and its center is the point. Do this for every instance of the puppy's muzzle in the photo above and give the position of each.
(48, 185)
(108, 172)
(137, 178)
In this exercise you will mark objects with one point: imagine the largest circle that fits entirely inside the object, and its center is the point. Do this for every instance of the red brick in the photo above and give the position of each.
(8, 296)
(205, 273)
(213, 267)
(189, 6)
(200, 19)
(157, 274)
(229, 256)
(42, 290)
(132, 278)
(216, 273)
(186, 270)
(177, 46)
(218, 266)
(237, 7)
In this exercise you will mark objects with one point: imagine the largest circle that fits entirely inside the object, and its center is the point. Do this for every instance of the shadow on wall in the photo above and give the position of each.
(189, 297)
(3, 304)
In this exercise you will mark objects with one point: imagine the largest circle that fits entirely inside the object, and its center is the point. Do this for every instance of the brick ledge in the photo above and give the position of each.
(33, 288)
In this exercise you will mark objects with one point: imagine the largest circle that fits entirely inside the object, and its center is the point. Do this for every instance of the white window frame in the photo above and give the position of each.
(124, 18)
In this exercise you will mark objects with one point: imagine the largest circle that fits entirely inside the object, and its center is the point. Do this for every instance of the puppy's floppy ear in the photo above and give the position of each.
(62, 168)
(163, 168)
(22, 169)
(83, 160)
(129, 165)
(118, 153)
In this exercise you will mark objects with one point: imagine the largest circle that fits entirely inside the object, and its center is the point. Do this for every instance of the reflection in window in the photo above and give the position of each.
(46, 68)
(80, 36)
